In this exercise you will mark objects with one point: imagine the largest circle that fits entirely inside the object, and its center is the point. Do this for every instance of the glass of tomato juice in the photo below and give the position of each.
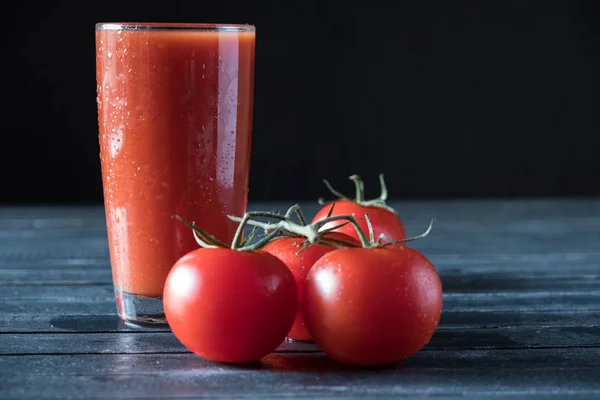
(175, 119)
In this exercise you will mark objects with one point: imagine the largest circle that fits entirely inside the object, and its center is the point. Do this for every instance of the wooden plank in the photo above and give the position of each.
(550, 262)
(102, 318)
(453, 279)
(462, 227)
(509, 318)
(35, 298)
(466, 272)
(108, 322)
(58, 253)
(445, 239)
(98, 319)
(142, 342)
(529, 214)
(471, 263)
(63, 276)
(476, 283)
(533, 373)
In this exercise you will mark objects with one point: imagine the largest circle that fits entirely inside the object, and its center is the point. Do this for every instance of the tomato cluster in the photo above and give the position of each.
(347, 281)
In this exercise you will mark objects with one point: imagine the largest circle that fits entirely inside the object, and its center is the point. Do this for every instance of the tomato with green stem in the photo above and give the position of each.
(373, 305)
(231, 304)
(368, 305)
(386, 223)
(299, 253)
(299, 258)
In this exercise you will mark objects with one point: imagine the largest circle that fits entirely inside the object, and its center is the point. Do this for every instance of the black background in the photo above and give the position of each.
(447, 98)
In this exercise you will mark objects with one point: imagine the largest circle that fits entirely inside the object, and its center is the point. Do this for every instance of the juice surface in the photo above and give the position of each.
(175, 117)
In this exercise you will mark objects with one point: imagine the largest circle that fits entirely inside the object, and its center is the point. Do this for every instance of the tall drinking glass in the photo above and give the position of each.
(175, 118)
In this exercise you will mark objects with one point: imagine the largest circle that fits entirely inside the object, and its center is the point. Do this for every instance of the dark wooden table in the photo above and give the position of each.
(521, 314)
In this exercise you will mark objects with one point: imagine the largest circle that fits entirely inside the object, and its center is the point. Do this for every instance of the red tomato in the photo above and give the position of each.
(228, 305)
(383, 220)
(286, 250)
(372, 306)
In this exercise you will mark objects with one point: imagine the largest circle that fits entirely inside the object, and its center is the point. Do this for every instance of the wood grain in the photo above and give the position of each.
(521, 314)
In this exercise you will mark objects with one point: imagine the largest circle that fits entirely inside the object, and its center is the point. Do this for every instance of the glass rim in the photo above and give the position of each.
(178, 26)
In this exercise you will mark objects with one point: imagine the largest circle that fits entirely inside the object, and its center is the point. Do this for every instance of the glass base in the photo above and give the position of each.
(140, 310)
(290, 340)
(295, 346)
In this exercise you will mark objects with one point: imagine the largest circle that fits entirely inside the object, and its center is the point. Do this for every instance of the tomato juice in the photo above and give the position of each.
(175, 118)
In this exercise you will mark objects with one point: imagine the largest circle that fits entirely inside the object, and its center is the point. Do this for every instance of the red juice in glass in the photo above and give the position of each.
(175, 118)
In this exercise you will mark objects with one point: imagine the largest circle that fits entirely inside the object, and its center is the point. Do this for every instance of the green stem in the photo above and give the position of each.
(361, 235)
(264, 214)
(295, 209)
(263, 241)
(360, 188)
(335, 192)
(267, 226)
(384, 191)
(360, 194)
(247, 240)
(206, 237)
(370, 228)
(422, 235)
(410, 239)
(202, 243)
(239, 232)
